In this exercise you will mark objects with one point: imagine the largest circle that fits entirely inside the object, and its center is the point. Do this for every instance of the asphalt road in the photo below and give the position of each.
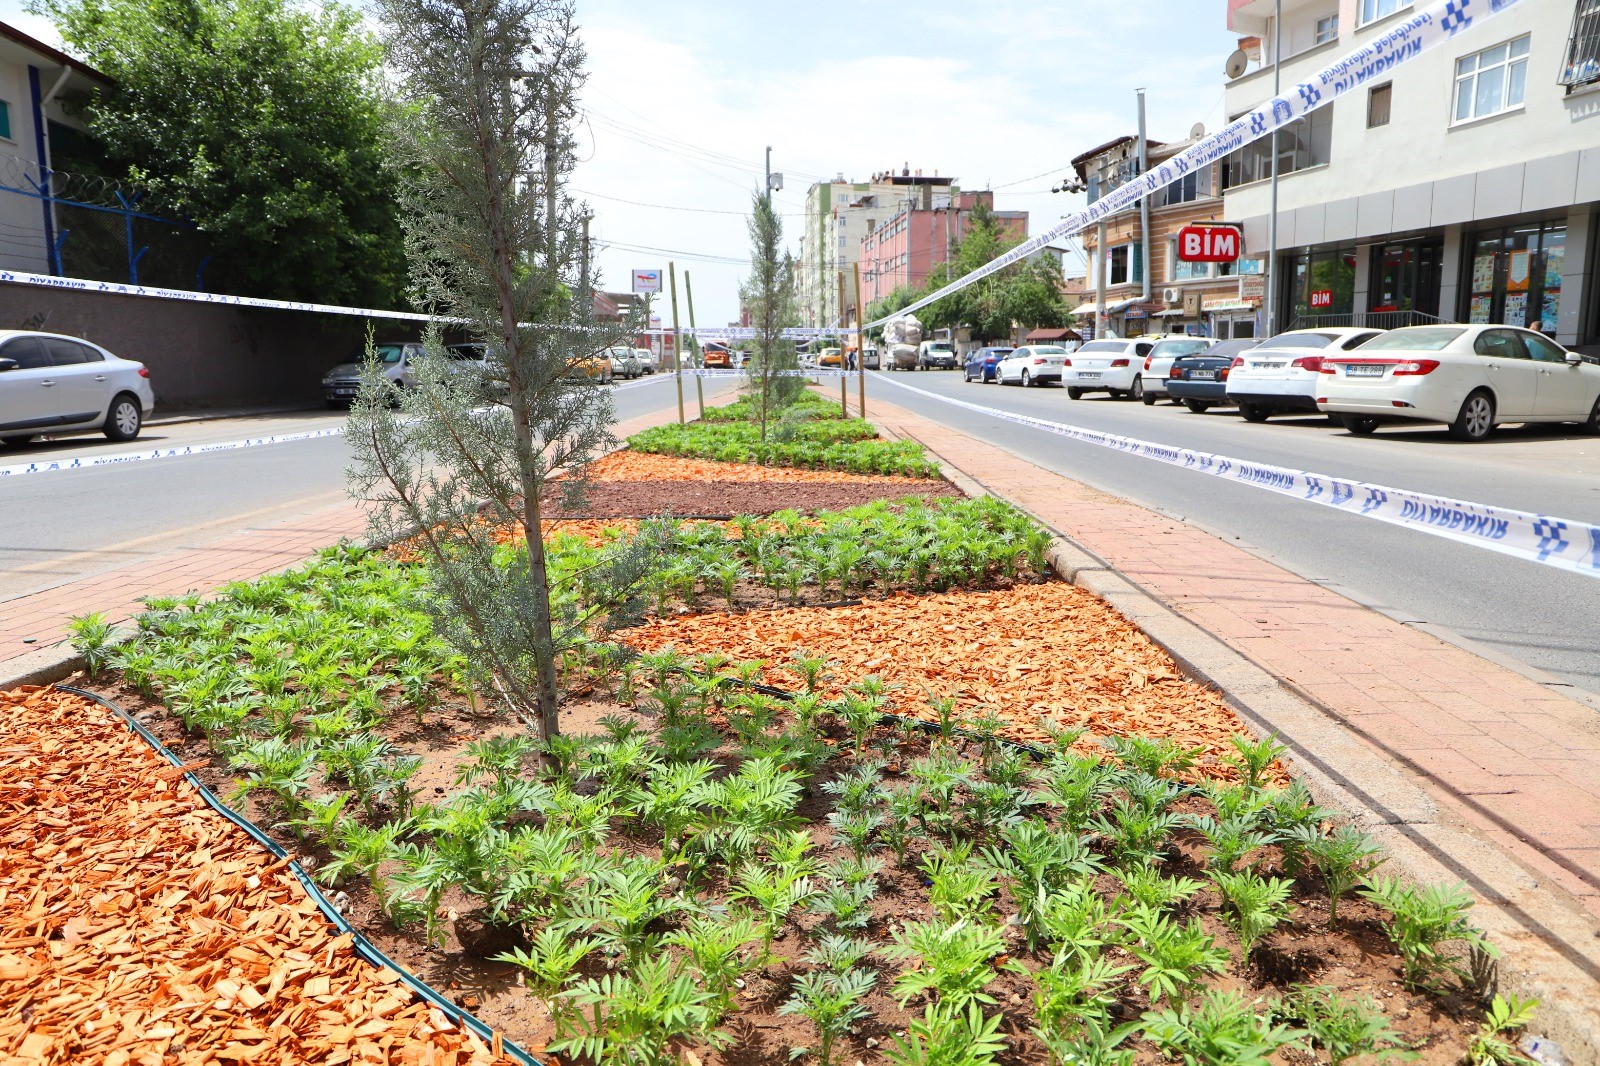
(1519, 611)
(62, 525)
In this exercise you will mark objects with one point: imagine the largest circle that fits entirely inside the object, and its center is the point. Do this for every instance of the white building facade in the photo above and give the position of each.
(1466, 187)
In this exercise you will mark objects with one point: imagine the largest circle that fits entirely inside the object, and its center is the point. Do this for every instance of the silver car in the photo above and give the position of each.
(54, 384)
(342, 384)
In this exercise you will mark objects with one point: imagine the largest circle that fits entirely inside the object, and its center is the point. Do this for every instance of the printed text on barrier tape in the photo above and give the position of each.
(124, 458)
(1407, 38)
(1557, 542)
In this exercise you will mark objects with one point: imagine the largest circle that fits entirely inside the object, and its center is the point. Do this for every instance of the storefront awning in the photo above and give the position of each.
(1240, 306)
(1171, 312)
(1112, 307)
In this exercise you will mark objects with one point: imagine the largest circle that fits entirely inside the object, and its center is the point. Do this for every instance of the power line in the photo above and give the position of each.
(698, 256)
(670, 207)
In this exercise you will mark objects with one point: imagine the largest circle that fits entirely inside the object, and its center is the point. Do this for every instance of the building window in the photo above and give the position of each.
(1187, 189)
(1316, 284)
(5, 120)
(1377, 9)
(1517, 274)
(1405, 277)
(1123, 264)
(1378, 105)
(1327, 29)
(1305, 142)
(1583, 49)
(1492, 81)
(1182, 271)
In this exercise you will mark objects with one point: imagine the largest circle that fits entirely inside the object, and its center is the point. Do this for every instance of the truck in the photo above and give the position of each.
(902, 335)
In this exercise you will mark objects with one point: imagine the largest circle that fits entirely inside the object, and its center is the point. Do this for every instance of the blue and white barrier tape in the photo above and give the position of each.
(775, 373)
(89, 462)
(1538, 538)
(1407, 38)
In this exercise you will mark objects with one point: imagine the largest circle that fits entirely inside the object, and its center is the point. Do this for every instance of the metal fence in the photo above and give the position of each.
(92, 227)
(1369, 320)
(1583, 49)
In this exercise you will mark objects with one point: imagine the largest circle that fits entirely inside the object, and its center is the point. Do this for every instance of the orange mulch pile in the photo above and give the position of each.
(137, 925)
(629, 465)
(1029, 655)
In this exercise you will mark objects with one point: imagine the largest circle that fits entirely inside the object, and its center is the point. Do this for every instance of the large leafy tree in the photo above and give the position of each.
(262, 119)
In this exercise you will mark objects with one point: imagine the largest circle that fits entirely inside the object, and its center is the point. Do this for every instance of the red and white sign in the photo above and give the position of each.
(1322, 298)
(1209, 244)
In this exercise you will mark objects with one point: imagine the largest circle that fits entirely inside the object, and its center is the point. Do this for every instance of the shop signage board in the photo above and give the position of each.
(1209, 244)
(646, 281)
(1322, 298)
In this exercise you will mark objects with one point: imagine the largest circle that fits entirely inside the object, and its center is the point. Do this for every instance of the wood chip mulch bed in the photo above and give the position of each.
(629, 465)
(1027, 654)
(137, 925)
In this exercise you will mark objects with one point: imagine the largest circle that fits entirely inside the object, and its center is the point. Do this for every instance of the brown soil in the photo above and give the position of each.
(717, 498)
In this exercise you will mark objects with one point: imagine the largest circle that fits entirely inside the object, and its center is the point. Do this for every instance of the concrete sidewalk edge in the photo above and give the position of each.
(1550, 943)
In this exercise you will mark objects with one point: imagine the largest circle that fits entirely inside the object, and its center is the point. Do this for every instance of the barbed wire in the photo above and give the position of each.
(90, 190)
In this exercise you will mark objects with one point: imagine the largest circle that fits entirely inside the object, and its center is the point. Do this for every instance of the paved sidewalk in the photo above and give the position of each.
(35, 621)
(1518, 761)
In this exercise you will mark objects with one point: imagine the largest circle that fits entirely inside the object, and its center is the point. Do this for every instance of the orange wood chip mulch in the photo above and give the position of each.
(629, 465)
(1027, 654)
(137, 925)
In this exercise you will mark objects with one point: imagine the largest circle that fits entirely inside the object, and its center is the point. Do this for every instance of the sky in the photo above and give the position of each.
(683, 99)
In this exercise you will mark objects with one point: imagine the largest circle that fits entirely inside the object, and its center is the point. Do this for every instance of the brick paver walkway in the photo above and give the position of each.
(1515, 758)
(40, 618)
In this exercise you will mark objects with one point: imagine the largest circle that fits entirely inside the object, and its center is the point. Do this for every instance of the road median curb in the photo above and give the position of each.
(1550, 943)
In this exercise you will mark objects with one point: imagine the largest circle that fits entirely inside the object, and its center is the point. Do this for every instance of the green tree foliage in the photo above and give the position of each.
(768, 294)
(490, 99)
(263, 120)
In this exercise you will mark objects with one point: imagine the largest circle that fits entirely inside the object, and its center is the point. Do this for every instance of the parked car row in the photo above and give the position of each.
(1470, 378)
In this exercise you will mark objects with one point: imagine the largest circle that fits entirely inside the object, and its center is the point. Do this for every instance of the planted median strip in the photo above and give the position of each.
(742, 843)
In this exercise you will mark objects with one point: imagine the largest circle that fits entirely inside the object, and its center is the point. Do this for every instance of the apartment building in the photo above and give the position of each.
(1463, 187)
(838, 215)
(905, 248)
(1211, 299)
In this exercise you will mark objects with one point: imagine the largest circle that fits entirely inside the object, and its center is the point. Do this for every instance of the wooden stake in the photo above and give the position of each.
(694, 342)
(677, 341)
(861, 344)
(844, 379)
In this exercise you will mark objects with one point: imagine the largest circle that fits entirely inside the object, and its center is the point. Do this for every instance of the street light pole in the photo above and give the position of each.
(1272, 217)
(768, 185)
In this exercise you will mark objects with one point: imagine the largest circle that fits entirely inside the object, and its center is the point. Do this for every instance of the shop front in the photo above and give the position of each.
(1406, 277)
(1515, 276)
(1229, 315)
(1315, 283)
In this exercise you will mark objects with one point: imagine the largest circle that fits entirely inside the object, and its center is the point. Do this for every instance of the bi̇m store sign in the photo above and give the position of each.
(1210, 244)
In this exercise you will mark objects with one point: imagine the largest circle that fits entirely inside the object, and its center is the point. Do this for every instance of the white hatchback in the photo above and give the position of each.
(1032, 364)
(1109, 365)
(1472, 378)
(1151, 384)
(55, 384)
(1282, 374)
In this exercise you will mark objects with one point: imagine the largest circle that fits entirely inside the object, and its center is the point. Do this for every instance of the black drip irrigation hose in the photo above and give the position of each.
(365, 948)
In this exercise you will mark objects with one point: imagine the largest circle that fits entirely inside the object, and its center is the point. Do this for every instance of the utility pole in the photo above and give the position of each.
(844, 377)
(861, 345)
(583, 267)
(768, 185)
(1270, 295)
(1144, 209)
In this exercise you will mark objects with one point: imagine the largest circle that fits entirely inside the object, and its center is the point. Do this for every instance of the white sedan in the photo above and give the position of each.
(55, 384)
(1283, 373)
(1151, 384)
(1472, 378)
(1110, 366)
(1032, 364)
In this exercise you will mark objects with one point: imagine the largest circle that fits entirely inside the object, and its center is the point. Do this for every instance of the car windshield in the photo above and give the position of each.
(1231, 348)
(1103, 346)
(939, 347)
(1186, 346)
(1001, 353)
(1413, 339)
(1301, 340)
(387, 354)
(1049, 349)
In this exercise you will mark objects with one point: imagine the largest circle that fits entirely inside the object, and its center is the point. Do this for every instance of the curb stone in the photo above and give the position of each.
(1550, 942)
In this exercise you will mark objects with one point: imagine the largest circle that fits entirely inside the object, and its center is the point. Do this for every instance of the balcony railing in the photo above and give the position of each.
(1583, 50)
(1369, 320)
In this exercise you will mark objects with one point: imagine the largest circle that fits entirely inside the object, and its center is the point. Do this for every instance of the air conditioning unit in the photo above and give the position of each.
(1172, 296)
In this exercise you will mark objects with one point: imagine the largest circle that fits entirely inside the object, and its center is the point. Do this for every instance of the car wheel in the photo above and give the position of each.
(17, 440)
(1592, 425)
(1074, 393)
(1253, 412)
(1199, 407)
(1027, 382)
(123, 418)
(1359, 425)
(1137, 392)
(1476, 419)
(1149, 398)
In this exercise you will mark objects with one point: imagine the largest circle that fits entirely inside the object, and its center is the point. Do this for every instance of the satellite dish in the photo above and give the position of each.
(1237, 63)
(1197, 131)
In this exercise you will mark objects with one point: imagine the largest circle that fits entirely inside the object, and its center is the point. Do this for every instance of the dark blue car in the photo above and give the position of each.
(1200, 381)
(983, 363)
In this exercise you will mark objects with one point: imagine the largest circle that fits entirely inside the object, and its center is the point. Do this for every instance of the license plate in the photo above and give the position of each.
(1269, 366)
(1088, 375)
(1363, 370)
(344, 392)
(1202, 375)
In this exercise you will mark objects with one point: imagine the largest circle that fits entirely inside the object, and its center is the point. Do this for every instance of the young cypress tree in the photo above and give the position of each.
(768, 293)
(483, 141)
